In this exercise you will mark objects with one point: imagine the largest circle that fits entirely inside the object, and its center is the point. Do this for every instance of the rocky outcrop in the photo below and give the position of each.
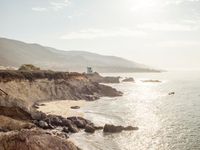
(109, 91)
(40, 86)
(128, 80)
(109, 128)
(70, 124)
(18, 129)
(34, 140)
(23, 127)
(96, 77)
(13, 122)
(112, 129)
(171, 93)
(89, 128)
(52, 128)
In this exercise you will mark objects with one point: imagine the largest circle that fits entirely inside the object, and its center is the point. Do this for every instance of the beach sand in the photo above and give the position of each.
(63, 108)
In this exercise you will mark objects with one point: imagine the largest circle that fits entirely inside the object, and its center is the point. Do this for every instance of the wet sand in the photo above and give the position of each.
(64, 107)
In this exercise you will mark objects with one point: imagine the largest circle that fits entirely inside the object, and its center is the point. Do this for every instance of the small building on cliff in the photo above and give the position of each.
(89, 70)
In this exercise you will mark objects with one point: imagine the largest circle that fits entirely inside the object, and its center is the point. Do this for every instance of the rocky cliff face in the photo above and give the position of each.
(32, 87)
(41, 90)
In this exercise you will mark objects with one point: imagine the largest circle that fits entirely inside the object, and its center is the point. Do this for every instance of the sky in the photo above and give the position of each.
(160, 33)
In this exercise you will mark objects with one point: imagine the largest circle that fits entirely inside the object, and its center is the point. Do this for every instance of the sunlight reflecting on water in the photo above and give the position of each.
(165, 121)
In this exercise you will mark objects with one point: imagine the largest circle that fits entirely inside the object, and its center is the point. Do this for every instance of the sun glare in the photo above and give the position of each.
(145, 7)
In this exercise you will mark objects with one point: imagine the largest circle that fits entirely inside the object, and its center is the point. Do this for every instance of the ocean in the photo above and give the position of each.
(166, 122)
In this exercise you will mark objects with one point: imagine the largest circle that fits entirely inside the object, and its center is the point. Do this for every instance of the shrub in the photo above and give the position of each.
(28, 67)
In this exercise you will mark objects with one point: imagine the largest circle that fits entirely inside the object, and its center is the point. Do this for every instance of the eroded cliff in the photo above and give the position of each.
(47, 85)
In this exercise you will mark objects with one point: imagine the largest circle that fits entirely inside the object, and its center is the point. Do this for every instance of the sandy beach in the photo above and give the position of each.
(64, 105)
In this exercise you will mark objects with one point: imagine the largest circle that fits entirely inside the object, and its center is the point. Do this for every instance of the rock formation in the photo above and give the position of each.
(33, 86)
(109, 128)
(130, 79)
(171, 93)
(23, 127)
(96, 77)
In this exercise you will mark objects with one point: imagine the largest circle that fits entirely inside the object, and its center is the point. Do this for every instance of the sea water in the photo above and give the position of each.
(166, 122)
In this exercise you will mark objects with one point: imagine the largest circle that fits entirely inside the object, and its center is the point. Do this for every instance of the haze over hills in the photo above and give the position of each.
(15, 53)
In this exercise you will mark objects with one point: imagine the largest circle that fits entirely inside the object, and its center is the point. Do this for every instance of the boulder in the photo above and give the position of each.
(73, 118)
(54, 120)
(73, 128)
(89, 128)
(43, 124)
(66, 122)
(80, 123)
(128, 80)
(112, 128)
(78, 118)
(116, 129)
(171, 93)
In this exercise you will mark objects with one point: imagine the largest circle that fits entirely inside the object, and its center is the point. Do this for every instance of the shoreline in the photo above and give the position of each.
(51, 107)
(35, 96)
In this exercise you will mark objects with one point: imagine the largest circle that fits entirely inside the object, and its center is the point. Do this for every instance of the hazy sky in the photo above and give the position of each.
(160, 33)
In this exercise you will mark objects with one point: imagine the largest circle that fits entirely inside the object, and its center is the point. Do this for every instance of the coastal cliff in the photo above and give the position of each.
(21, 122)
(34, 86)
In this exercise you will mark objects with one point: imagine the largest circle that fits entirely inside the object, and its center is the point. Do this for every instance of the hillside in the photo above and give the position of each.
(15, 53)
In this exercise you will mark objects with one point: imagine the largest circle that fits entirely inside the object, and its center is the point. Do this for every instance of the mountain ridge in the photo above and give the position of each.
(15, 53)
